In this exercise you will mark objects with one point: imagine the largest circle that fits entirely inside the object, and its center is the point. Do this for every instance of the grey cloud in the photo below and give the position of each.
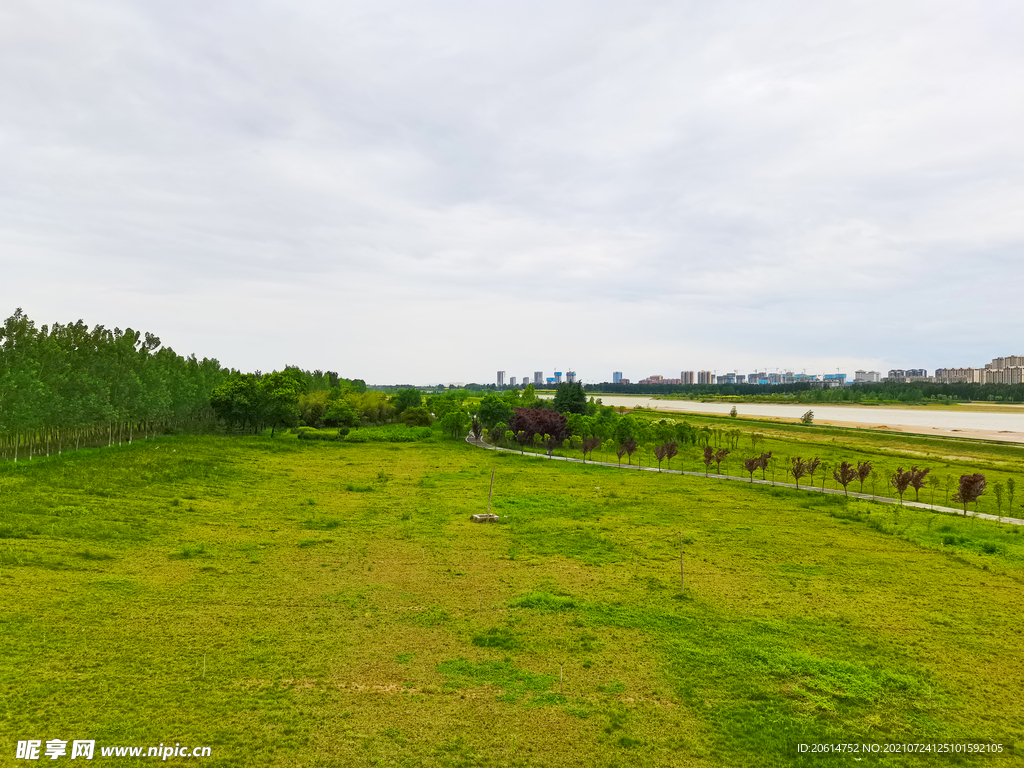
(470, 186)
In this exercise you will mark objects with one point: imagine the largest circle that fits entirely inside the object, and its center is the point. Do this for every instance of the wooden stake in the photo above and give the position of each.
(682, 574)
(491, 493)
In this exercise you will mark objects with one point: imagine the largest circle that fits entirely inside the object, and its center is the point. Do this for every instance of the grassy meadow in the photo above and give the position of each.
(304, 603)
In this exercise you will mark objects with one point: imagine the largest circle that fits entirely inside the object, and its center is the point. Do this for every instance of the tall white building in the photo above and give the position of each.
(501, 378)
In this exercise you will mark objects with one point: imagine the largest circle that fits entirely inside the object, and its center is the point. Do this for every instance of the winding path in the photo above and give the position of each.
(866, 496)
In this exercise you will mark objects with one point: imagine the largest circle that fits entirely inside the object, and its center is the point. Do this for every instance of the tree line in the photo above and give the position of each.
(67, 385)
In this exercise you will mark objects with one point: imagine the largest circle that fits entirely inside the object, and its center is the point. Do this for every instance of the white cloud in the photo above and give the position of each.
(420, 192)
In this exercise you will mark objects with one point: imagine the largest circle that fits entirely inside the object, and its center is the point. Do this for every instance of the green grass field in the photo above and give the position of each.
(302, 603)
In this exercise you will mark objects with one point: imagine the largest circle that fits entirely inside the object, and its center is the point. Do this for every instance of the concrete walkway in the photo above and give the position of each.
(866, 496)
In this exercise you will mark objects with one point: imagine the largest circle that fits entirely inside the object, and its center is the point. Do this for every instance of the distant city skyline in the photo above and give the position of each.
(859, 375)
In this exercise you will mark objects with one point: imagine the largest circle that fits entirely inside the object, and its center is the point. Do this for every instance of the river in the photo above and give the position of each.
(957, 421)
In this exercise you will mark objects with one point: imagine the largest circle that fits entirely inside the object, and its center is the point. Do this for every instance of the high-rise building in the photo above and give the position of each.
(959, 375)
(558, 377)
(501, 378)
(512, 381)
(538, 378)
(705, 377)
(869, 376)
(525, 380)
(616, 377)
(570, 376)
(999, 363)
(686, 377)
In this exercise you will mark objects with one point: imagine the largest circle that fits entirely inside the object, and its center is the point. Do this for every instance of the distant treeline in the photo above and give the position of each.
(806, 393)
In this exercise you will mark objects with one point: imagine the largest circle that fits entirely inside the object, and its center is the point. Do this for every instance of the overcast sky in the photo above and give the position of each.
(431, 191)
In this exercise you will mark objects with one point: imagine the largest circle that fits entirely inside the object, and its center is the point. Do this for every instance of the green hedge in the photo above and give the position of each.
(310, 433)
(395, 434)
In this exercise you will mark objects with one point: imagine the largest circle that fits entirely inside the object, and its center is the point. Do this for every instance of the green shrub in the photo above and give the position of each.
(399, 433)
(308, 433)
(416, 417)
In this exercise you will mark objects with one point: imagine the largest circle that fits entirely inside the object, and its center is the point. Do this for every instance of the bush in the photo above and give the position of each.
(416, 417)
(308, 433)
(395, 434)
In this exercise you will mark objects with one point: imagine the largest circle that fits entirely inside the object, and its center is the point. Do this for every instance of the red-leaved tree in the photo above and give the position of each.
(863, 470)
(630, 446)
(588, 445)
(536, 421)
(845, 475)
(917, 481)
(660, 451)
(900, 481)
(798, 468)
(971, 489)
(720, 454)
(751, 465)
(671, 451)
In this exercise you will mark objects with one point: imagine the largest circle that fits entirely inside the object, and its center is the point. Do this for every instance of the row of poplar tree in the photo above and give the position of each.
(69, 385)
